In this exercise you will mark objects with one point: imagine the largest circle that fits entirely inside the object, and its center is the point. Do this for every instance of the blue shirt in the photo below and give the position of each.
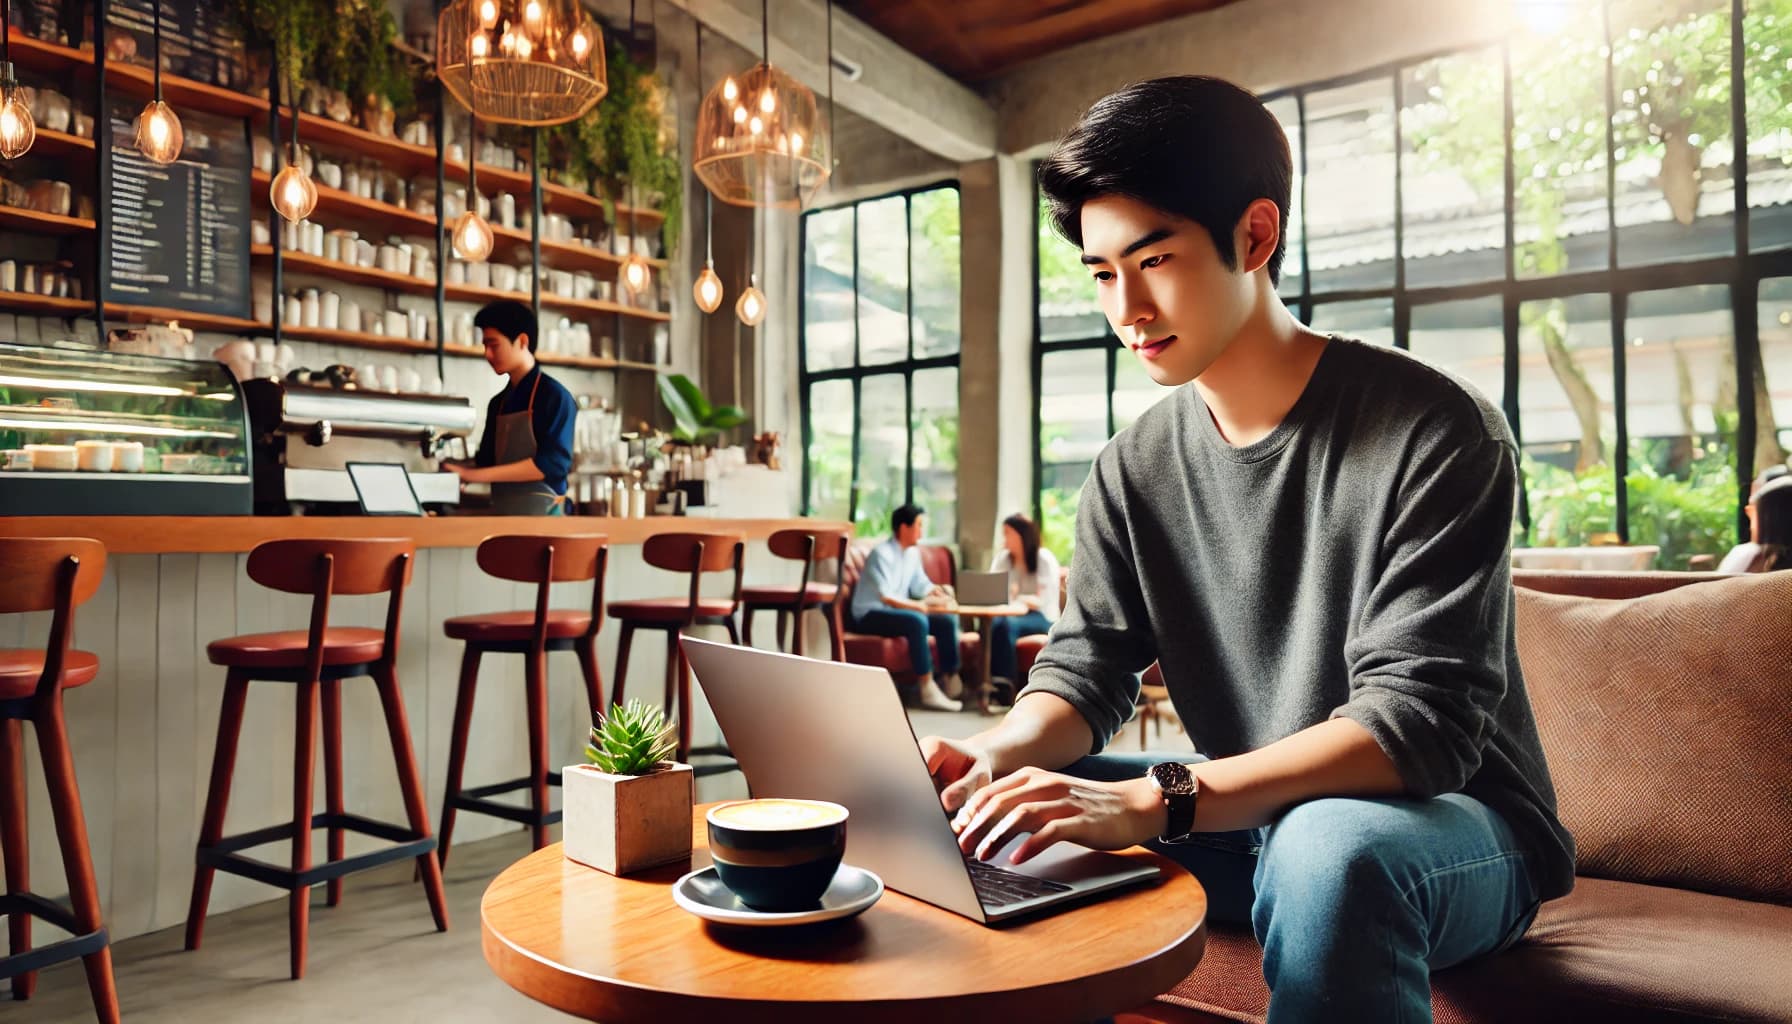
(890, 571)
(552, 420)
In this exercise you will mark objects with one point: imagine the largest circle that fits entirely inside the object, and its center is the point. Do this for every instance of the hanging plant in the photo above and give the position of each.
(344, 45)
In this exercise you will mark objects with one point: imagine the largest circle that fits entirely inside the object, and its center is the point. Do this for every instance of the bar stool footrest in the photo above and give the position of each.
(80, 943)
(474, 800)
(224, 855)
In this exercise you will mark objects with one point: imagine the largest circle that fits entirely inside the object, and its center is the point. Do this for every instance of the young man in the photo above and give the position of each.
(526, 450)
(1312, 541)
(891, 600)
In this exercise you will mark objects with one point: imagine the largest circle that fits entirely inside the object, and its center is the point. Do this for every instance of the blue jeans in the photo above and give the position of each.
(1003, 633)
(915, 628)
(1357, 901)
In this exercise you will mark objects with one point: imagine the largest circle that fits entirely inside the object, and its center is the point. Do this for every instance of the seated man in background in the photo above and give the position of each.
(891, 599)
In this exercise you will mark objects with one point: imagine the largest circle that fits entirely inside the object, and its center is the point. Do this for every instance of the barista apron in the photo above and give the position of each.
(515, 443)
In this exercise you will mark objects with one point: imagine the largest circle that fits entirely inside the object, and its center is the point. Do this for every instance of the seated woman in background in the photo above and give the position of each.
(1773, 527)
(1033, 581)
(1748, 553)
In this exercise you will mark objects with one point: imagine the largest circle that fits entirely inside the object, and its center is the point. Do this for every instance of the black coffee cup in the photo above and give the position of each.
(777, 855)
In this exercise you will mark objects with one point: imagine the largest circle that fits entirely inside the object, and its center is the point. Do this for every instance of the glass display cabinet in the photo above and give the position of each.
(89, 432)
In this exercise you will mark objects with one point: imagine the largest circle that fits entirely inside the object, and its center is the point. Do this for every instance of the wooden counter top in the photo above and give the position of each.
(135, 535)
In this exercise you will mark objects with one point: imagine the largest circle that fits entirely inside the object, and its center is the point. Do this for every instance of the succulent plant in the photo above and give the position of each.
(631, 740)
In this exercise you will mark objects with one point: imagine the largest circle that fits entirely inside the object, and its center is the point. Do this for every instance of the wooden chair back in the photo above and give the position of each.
(548, 560)
(699, 553)
(56, 574)
(810, 547)
(323, 568)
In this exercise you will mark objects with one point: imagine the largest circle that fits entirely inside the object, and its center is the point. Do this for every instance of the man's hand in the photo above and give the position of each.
(1056, 808)
(959, 768)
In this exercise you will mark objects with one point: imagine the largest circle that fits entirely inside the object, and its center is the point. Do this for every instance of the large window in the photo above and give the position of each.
(1559, 218)
(880, 340)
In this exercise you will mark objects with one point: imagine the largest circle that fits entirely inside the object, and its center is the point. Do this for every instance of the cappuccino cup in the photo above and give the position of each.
(777, 855)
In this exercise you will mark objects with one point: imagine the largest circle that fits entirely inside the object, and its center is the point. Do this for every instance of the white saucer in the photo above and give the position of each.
(852, 891)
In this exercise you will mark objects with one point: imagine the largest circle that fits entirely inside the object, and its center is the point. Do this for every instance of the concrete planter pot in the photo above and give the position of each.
(626, 823)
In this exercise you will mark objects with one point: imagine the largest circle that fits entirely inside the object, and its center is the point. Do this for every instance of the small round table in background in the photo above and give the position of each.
(988, 613)
(620, 951)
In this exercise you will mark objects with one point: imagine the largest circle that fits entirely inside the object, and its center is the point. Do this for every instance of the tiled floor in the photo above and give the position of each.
(376, 958)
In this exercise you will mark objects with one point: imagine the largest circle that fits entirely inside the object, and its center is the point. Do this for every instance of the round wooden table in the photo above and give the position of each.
(988, 613)
(619, 950)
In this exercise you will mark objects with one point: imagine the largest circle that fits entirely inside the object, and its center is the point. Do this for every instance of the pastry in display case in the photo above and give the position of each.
(88, 432)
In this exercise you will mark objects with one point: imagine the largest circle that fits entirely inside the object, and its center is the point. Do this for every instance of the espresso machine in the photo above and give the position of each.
(305, 435)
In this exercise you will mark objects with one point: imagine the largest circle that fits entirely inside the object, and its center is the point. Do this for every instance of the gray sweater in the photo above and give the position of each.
(1354, 563)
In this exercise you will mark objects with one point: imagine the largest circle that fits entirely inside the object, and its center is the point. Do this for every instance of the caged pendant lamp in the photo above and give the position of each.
(159, 135)
(17, 129)
(760, 140)
(529, 62)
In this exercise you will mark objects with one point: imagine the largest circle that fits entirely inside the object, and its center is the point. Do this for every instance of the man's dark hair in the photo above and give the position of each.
(510, 318)
(905, 516)
(1029, 539)
(1194, 146)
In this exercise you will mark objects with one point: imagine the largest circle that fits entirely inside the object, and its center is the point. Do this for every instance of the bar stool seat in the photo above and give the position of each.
(516, 627)
(20, 670)
(288, 648)
(670, 609)
(813, 594)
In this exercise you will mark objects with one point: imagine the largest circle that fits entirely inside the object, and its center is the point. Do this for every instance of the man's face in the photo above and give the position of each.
(910, 535)
(1163, 287)
(502, 354)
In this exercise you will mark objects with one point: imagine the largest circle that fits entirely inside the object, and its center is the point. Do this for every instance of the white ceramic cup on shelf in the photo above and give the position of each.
(397, 324)
(367, 378)
(388, 377)
(329, 315)
(410, 381)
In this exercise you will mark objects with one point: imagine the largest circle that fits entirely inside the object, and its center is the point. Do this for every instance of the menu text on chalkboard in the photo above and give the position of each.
(178, 235)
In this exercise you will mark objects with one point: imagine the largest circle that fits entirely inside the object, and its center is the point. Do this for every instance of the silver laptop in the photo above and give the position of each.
(982, 588)
(822, 730)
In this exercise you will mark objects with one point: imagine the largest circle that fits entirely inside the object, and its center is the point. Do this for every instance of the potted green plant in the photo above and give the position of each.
(629, 808)
(694, 418)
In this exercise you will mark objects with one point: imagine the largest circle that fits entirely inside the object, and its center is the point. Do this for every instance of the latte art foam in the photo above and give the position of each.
(778, 815)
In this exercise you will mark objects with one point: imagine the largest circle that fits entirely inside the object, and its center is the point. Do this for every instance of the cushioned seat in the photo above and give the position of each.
(815, 593)
(20, 669)
(668, 609)
(497, 627)
(343, 645)
(1609, 951)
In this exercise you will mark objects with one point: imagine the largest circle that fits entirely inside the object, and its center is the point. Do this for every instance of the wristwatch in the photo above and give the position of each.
(1178, 788)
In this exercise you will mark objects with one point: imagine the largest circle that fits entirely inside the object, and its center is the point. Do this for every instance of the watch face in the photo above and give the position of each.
(1173, 777)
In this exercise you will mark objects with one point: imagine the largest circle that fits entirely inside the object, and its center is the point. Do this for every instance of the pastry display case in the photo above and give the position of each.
(87, 432)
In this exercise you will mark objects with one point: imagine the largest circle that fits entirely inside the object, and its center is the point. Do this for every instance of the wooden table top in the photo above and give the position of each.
(986, 611)
(127, 535)
(619, 950)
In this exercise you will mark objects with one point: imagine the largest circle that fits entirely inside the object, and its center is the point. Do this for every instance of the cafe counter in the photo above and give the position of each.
(143, 732)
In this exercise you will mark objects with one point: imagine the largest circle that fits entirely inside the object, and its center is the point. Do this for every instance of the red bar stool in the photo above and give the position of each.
(541, 561)
(314, 660)
(696, 554)
(49, 574)
(807, 547)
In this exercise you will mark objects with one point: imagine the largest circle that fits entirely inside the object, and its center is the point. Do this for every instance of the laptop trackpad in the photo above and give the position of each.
(1065, 862)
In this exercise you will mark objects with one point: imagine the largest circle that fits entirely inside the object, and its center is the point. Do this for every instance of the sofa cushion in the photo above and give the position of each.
(1608, 951)
(1665, 722)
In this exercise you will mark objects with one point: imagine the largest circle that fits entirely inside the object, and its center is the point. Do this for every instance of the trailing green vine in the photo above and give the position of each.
(341, 44)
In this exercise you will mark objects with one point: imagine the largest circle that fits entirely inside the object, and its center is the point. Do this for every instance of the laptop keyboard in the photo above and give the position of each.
(999, 887)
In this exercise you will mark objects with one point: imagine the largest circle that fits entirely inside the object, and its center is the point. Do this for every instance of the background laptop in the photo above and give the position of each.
(982, 588)
(822, 730)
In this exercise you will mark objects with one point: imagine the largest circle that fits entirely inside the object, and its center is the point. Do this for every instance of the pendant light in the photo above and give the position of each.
(159, 134)
(750, 308)
(707, 289)
(17, 130)
(636, 274)
(293, 193)
(529, 62)
(759, 137)
(473, 240)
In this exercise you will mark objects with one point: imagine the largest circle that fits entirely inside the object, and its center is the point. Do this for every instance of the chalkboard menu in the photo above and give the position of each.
(178, 235)
(200, 41)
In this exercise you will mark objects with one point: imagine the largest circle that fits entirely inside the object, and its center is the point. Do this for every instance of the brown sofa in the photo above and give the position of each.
(1665, 706)
(891, 652)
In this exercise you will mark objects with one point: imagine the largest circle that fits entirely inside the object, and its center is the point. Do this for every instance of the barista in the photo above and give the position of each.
(526, 450)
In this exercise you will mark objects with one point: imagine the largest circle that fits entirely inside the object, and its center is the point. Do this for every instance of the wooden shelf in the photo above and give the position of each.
(184, 93)
(493, 179)
(45, 305)
(186, 318)
(600, 306)
(481, 294)
(356, 339)
(43, 223)
(45, 57)
(593, 362)
(305, 263)
(579, 204)
(371, 219)
(61, 144)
